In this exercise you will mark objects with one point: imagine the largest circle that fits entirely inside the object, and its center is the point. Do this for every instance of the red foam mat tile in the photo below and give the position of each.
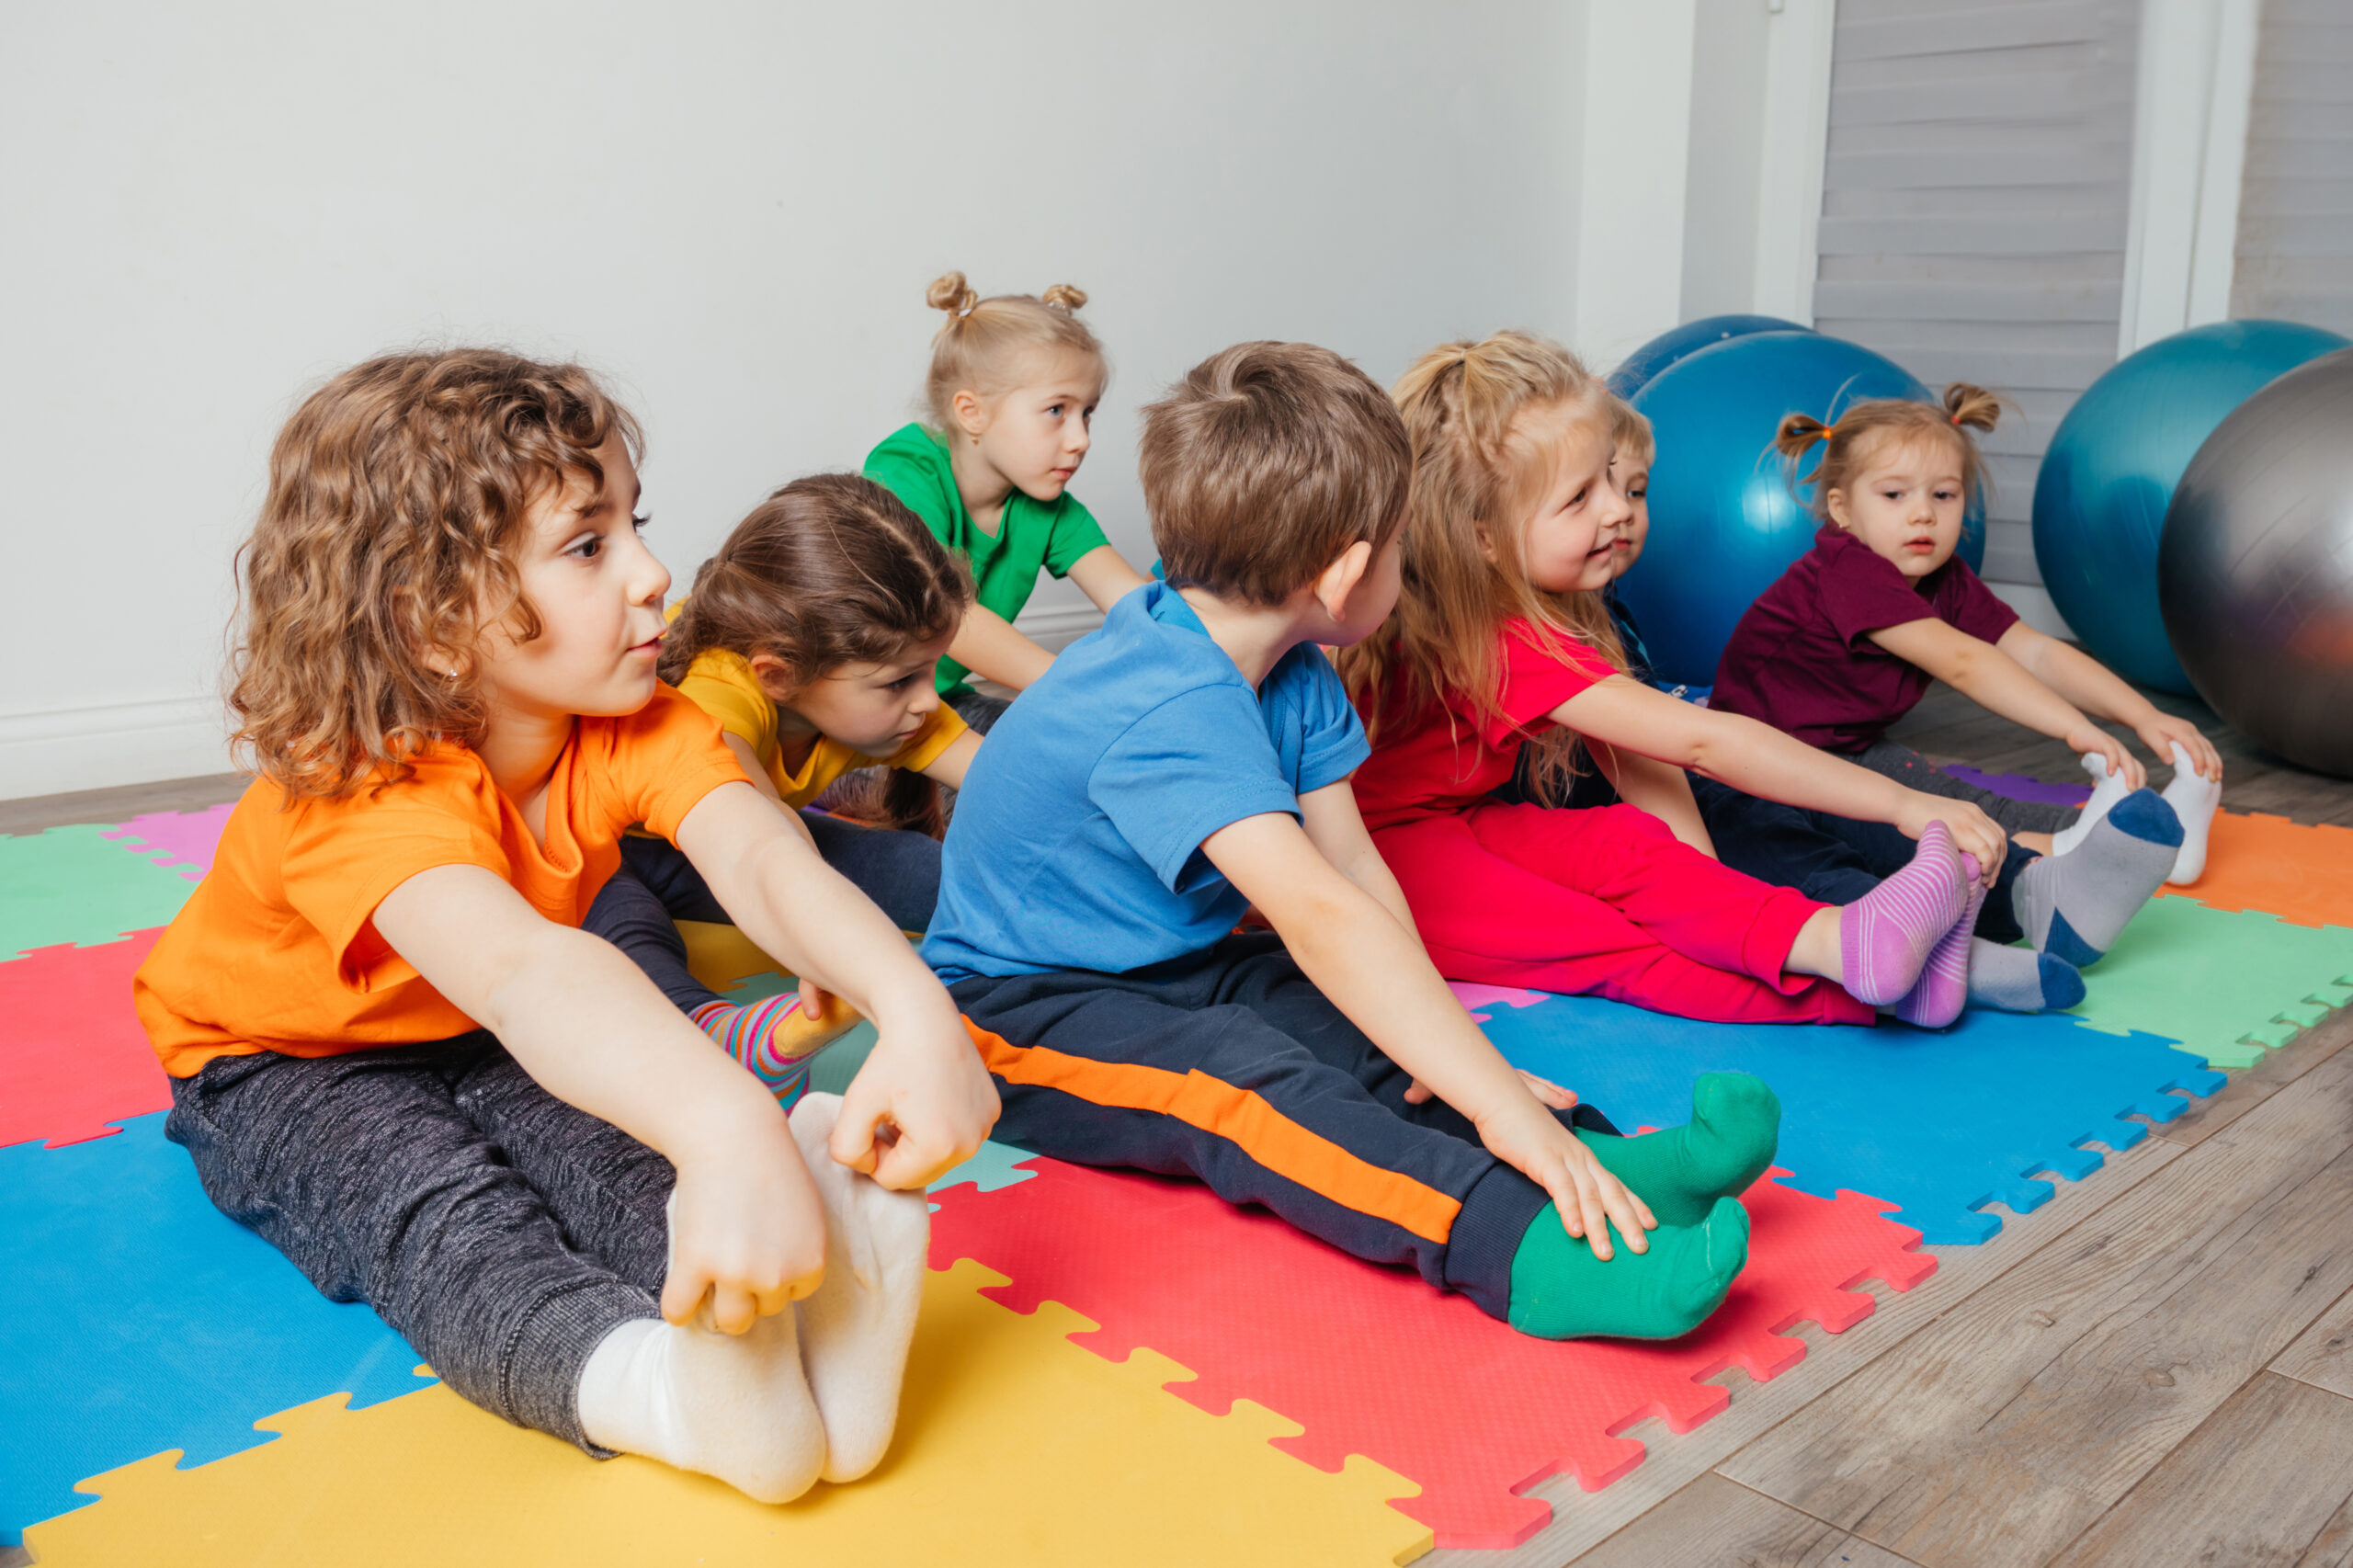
(73, 1059)
(1372, 1361)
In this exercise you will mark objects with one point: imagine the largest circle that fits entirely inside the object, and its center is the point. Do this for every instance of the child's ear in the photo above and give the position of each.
(1835, 505)
(971, 415)
(1337, 583)
(776, 677)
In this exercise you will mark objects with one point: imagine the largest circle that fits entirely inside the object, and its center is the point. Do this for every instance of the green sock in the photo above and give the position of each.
(1560, 1290)
(1681, 1171)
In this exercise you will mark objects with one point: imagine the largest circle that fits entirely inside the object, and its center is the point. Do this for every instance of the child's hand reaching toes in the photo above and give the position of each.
(747, 1231)
(922, 1103)
(1532, 1141)
(1974, 833)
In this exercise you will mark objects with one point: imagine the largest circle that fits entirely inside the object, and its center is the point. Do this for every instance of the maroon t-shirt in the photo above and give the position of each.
(1803, 659)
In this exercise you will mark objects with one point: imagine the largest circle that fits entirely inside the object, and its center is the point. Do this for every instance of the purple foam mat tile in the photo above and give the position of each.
(2019, 786)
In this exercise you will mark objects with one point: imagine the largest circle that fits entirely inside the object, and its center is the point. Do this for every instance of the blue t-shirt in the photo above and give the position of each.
(1076, 839)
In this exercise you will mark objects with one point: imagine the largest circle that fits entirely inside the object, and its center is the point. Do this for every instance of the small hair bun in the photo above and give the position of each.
(949, 292)
(1798, 435)
(1973, 407)
(1064, 296)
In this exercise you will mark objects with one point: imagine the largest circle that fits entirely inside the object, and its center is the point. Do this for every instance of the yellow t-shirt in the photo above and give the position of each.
(722, 685)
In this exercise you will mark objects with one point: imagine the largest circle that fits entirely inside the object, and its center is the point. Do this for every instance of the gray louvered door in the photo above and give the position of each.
(1974, 207)
(2295, 239)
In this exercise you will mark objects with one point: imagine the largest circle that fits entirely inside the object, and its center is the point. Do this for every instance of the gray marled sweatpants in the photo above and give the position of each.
(501, 1231)
(1912, 770)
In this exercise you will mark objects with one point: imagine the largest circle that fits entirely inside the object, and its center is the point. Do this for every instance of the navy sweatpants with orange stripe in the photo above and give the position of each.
(1231, 1066)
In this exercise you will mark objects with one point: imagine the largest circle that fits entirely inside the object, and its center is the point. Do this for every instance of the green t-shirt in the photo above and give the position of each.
(913, 464)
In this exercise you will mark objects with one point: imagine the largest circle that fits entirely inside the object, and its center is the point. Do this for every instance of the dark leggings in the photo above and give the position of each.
(657, 886)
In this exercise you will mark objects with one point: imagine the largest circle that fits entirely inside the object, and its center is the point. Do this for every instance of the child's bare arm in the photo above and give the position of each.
(1104, 575)
(1659, 788)
(2094, 688)
(1766, 763)
(924, 1076)
(987, 645)
(949, 767)
(1376, 972)
(1986, 675)
(595, 1033)
(1337, 829)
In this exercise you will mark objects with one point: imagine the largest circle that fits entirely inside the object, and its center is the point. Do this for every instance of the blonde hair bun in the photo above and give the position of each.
(1064, 296)
(949, 292)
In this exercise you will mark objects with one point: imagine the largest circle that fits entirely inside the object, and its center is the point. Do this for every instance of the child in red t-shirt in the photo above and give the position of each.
(1500, 641)
(1848, 640)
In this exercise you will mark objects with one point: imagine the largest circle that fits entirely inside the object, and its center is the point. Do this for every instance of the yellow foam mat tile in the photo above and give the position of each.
(1015, 1446)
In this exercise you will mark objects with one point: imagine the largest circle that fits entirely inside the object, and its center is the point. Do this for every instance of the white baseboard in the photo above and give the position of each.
(2036, 608)
(97, 748)
(1057, 627)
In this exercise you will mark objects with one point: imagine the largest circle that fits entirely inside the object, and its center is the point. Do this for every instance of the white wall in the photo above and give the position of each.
(732, 208)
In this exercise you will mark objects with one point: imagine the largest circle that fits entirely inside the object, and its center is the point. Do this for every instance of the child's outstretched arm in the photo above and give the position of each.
(949, 767)
(1989, 676)
(1104, 575)
(1375, 971)
(924, 1077)
(1763, 761)
(2094, 688)
(748, 1230)
(988, 645)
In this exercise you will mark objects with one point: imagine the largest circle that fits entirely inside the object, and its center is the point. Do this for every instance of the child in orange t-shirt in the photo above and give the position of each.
(393, 1054)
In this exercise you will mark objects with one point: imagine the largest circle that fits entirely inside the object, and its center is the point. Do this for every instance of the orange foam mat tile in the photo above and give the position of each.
(2302, 875)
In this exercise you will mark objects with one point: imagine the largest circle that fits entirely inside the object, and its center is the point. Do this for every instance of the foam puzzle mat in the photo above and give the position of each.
(1122, 1346)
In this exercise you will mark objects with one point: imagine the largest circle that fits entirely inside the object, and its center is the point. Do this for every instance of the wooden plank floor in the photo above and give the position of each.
(2156, 1367)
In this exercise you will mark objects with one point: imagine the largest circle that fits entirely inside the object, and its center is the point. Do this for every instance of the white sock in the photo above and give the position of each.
(2193, 800)
(2106, 789)
(732, 1406)
(855, 1329)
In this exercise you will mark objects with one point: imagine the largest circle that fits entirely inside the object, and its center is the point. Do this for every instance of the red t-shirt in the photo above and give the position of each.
(1802, 661)
(1440, 757)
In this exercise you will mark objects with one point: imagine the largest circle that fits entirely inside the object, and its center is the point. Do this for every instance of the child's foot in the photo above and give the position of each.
(2074, 906)
(1560, 1290)
(1937, 999)
(2193, 800)
(732, 1406)
(1885, 937)
(2019, 980)
(2106, 789)
(774, 1037)
(855, 1329)
(1681, 1171)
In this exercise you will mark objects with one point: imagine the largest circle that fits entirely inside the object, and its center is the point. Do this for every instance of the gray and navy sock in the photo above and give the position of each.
(2019, 980)
(2072, 906)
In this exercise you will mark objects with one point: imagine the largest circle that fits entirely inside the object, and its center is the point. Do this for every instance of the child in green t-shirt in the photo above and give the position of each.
(1013, 387)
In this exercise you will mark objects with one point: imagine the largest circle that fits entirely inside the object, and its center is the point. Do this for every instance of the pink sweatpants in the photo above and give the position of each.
(1605, 901)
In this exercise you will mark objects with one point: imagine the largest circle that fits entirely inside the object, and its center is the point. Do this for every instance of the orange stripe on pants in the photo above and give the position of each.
(1239, 1116)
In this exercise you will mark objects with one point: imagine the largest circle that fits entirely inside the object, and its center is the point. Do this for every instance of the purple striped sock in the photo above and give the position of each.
(1885, 937)
(1943, 987)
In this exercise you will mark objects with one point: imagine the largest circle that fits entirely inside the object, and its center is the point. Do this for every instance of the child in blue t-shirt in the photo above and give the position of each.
(1191, 759)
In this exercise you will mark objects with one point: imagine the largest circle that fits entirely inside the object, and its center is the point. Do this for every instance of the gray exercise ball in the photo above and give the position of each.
(2255, 568)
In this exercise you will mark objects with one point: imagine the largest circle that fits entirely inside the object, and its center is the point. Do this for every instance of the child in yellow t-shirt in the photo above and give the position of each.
(811, 637)
(392, 1053)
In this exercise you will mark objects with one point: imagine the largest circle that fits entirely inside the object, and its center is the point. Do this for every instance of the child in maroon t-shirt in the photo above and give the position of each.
(1847, 642)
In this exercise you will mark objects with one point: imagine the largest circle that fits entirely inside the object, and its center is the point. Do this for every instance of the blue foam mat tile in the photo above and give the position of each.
(1940, 1124)
(135, 1317)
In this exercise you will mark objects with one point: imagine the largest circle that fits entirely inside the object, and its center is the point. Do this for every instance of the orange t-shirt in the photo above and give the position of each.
(278, 949)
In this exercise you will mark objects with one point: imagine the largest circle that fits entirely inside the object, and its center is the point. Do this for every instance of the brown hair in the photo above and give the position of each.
(831, 569)
(1852, 438)
(986, 344)
(385, 544)
(1265, 464)
(1630, 432)
(1479, 467)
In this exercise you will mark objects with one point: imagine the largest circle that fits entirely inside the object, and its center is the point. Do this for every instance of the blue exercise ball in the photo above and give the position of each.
(1725, 517)
(1682, 342)
(2100, 502)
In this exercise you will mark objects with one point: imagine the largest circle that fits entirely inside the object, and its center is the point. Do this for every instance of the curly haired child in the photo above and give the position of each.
(392, 1053)
(1501, 641)
(1014, 382)
(811, 637)
(1848, 640)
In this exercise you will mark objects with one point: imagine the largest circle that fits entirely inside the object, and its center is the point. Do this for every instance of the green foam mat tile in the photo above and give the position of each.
(2228, 985)
(73, 886)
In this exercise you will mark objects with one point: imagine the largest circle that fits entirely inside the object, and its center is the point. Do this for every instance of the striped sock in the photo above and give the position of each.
(1885, 937)
(1942, 991)
(748, 1034)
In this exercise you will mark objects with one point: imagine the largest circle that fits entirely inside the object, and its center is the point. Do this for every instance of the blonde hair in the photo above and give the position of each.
(1629, 432)
(386, 543)
(986, 344)
(1478, 469)
(1267, 463)
(1848, 440)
